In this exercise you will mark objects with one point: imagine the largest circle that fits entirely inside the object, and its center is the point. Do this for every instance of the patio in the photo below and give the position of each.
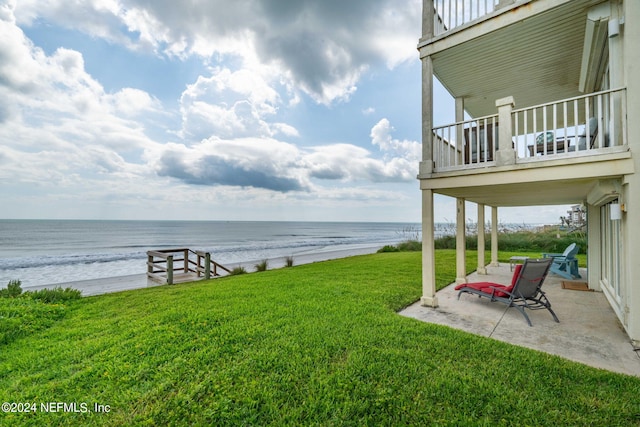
(589, 331)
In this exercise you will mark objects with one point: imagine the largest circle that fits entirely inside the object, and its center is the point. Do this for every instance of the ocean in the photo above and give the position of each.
(43, 252)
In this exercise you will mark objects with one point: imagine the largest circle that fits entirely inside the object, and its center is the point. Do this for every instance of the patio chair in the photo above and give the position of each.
(565, 264)
(524, 292)
(582, 137)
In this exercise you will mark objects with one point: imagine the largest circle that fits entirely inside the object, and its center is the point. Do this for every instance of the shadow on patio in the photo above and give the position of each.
(589, 331)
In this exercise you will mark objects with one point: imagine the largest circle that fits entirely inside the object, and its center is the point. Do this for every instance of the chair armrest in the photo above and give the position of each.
(550, 255)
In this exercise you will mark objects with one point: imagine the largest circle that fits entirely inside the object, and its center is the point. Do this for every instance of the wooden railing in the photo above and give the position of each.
(585, 124)
(470, 143)
(180, 265)
(450, 14)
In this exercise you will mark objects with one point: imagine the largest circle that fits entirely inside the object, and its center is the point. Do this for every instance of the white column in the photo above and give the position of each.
(427, 19)
(482, 269)
(506, 154)
(631, 188)
(461, 267)
(494, 236)
(594, 242)
(429, 298)
(426, 166)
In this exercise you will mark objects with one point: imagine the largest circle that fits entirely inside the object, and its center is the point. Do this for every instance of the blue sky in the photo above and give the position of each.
(209, 109)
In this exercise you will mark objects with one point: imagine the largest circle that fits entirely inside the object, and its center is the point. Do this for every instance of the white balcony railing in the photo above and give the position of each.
(577, 125)
(450, 14)
(592, 124)
(465, 144)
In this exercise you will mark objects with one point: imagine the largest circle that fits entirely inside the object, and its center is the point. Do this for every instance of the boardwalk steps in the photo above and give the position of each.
(169, 266)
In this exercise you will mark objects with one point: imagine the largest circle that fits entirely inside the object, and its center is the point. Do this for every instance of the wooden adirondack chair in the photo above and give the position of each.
(565, 264)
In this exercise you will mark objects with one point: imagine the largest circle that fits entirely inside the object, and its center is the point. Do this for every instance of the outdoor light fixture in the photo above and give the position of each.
(614, 28)
(615, 212)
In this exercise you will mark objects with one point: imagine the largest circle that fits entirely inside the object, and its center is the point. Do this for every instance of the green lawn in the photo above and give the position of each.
(316, 344)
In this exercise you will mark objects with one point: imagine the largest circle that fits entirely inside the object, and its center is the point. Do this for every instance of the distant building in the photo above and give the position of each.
(576, 218)
(547, 112)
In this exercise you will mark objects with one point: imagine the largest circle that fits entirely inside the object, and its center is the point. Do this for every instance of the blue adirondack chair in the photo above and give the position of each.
(566, 263)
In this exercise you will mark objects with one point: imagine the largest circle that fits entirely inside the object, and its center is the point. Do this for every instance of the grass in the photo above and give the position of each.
(317, 344)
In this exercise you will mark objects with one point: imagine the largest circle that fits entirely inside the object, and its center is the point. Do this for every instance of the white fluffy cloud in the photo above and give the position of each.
(283, 167)
(319, 47)
(65, 138)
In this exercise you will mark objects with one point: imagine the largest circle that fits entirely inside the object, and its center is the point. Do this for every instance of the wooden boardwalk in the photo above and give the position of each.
(182, 265)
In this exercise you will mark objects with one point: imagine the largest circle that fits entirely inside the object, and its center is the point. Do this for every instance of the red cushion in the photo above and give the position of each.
(499, 290)
(476, 285)
(486, 287)
(516, 273)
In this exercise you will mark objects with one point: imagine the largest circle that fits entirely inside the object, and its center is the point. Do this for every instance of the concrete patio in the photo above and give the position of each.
(589, 331)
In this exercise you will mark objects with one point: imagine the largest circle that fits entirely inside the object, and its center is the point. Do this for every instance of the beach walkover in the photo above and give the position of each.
(169, 266)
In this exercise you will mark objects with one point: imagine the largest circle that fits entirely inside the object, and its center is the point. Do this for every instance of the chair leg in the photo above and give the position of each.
(553, 314)
(521, 310)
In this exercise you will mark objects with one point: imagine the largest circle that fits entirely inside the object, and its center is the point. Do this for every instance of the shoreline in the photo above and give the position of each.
(106, 285)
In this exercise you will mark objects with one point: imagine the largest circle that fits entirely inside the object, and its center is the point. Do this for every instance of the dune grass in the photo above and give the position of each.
(316, 344)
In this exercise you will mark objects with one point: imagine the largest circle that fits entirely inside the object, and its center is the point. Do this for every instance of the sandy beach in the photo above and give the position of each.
(138, 281)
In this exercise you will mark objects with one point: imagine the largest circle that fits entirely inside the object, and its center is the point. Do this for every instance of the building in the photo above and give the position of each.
(547, 108)
(576, 218)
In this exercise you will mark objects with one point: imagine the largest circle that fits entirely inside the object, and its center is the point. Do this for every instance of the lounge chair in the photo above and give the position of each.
(524, 291)
(581, 144)
(565, 264)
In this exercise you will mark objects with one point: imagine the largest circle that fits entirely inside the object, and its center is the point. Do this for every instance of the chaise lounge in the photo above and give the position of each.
(524, 292)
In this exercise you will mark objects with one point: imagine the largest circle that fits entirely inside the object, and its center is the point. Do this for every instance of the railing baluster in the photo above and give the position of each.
(564, 122)
(485, 156)
(587, 112)
(623, 113)
(525, 131)
(600, 122)
(575, 123)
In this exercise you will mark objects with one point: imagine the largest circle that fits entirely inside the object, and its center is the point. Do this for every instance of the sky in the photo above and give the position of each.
(300, 110)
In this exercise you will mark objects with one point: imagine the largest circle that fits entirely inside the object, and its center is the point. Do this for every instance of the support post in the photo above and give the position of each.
(170, 270)
(506, 154)
(429, 298)
(482, 269)
(427, 164)
(461, 242)
(207, 265)
(494, 236)
(149, 265)
(428, 21)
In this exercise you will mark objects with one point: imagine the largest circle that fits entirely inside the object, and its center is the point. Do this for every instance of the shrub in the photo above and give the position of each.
(388, 248)
(238, 270)
(55, 295)
(12, 290)
(520, 241)
(410, 246)
(288, 261)
(262, 265)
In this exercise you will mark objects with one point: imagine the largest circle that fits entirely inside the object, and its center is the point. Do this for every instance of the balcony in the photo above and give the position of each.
(583, 126)
(451, 14)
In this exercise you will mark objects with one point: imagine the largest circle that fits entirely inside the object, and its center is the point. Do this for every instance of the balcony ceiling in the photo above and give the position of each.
(535, 60)
(538, 194)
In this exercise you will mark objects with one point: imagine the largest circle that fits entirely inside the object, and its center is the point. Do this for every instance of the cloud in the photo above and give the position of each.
(321, 48)
(279, 166)
(59, 124)
(266, 164)
(381, 136)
